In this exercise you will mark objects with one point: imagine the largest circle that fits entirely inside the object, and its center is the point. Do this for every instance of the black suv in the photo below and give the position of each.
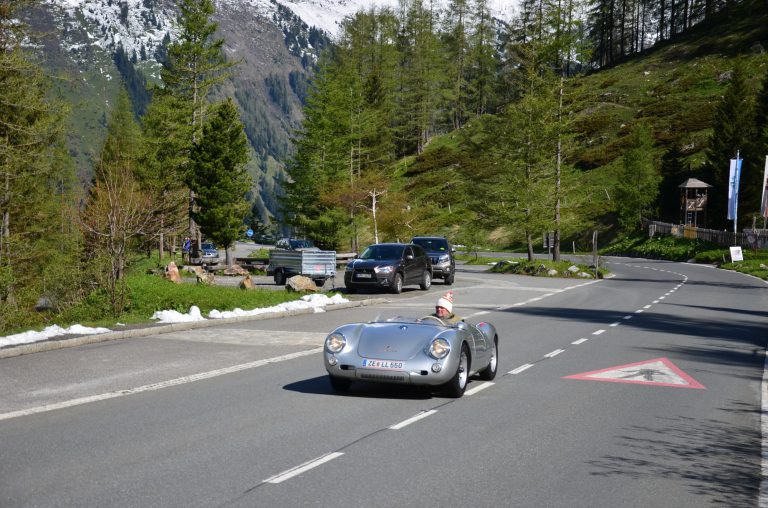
(441, 254)
(389, 266)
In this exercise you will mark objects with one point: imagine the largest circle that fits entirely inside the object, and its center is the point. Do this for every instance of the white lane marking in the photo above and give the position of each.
(535, 299)
(554, 353)
(662, 297)
(617, 323)
(521, 368)
(580, 341)
(285, 475)
(763, 497)
(478, 388)
(627, 317)
(638, 311)
(655, 301)
(413, 419)
(647, 307)
(598, 332)
(481, 313)
(157, 386)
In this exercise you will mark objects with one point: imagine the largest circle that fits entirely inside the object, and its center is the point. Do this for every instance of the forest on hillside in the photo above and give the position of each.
(563, 120)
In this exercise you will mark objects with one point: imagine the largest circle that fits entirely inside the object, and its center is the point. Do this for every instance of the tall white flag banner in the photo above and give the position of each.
(764, 200)
(733, 188)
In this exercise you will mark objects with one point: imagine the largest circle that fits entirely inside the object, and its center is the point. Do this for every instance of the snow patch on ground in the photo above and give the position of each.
(315, 301)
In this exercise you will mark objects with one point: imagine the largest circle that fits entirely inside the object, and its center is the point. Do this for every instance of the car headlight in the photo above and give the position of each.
(439, 348)
(384, 269)
(335, 342)
(444, 258)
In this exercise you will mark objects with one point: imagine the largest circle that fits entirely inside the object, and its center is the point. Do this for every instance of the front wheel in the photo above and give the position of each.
(449, 279)
(351, 289)
(397, 284)
(489, 372)
(458, 383)
(426, 280)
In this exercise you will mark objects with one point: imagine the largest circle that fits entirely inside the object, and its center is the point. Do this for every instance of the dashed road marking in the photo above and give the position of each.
(521, 368)
(290, 473)
(478, 388)
(413, 419)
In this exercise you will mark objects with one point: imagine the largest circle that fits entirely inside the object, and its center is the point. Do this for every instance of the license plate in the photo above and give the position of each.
(363, 275)
(382, 364)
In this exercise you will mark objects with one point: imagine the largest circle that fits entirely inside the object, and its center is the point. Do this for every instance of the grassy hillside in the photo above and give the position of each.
(674, 86)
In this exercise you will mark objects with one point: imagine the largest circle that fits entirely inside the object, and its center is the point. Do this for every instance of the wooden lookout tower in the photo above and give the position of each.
(693, 202)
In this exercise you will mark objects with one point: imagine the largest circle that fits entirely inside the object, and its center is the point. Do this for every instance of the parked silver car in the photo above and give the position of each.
(412, 351)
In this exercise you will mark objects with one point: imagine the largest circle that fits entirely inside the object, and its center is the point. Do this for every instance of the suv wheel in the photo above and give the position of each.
(397, 284)
(426, 280)
(449, 279)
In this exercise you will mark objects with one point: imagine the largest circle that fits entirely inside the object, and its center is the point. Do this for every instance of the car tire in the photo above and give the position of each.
(458, 384)
(351, 289)
(426, 280)
(319, 282)
(488, 373)
(339, 384)
(280, 277)
(449, 279)
(397, 284)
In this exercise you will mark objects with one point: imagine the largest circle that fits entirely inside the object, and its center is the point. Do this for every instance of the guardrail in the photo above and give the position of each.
(342, 258)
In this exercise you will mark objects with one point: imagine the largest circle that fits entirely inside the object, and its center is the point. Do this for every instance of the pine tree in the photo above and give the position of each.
(218, 177)
(195, 64)
(732, 130)
(638, 186)
(33, 174)
(675, 170)
(754, 163)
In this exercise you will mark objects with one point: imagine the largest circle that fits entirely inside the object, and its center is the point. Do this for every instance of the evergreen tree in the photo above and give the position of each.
(638, 186)
(195, 64)
(732, 129)
(34, 176)
(753, 168)
(218, 177)
(675, 170)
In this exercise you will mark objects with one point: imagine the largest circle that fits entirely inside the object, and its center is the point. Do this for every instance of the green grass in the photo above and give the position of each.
(148, 293)
(535, 268)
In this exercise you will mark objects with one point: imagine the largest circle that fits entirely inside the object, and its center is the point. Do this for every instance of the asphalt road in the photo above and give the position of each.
(642, 390)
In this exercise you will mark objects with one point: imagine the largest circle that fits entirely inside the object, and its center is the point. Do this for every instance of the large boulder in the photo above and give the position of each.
(301, 284)
(236, 270)
(247, 283)
(172, 273)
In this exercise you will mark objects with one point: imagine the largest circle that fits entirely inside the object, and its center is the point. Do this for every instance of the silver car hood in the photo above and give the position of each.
(394, 341)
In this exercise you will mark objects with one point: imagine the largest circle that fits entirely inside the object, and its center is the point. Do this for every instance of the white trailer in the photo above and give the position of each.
(318, 265)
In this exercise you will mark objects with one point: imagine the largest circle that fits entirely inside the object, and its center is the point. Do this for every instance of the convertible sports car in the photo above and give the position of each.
(412, 351)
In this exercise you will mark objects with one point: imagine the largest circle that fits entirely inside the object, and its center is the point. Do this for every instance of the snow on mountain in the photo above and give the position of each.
(327, 14)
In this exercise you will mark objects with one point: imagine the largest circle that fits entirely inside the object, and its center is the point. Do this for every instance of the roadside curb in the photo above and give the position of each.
(49, 345)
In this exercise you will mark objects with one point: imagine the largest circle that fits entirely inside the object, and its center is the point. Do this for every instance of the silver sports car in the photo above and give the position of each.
(412, 351)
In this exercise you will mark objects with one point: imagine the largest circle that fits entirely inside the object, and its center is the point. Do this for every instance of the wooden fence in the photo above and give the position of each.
(748, 238)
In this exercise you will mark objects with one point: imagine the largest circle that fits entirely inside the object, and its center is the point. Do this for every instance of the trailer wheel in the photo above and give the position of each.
(280, 277)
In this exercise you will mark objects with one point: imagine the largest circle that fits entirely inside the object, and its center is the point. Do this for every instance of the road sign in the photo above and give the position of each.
(249, 233)
(659, 372)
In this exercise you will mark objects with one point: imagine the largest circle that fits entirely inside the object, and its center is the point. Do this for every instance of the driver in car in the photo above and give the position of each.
(444, 309)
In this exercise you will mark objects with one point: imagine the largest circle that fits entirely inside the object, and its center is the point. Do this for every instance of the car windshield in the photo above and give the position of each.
(301, 244)
(424, 320)
(208, 246)
(432, 244)
(380, 252)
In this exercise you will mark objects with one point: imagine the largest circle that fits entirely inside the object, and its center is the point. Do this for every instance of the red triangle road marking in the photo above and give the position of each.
(658, 372)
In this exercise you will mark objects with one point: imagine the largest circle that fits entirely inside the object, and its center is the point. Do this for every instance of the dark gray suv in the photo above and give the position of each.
(389, 266)
(441, 253)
